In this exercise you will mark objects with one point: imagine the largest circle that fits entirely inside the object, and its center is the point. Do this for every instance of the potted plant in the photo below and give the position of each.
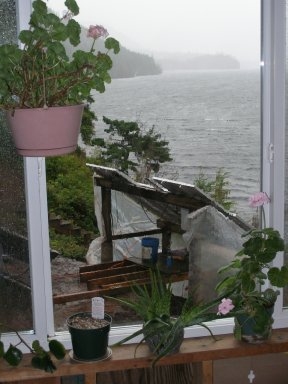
(161, 331)
(42, 88)
(90, 333)
(41, 358)
(250, 281)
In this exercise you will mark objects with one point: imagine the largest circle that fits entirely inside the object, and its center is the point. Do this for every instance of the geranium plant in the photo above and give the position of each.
(41, 74)
(250, 281)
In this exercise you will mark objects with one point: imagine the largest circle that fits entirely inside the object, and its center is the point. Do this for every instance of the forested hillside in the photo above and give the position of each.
(126, 63)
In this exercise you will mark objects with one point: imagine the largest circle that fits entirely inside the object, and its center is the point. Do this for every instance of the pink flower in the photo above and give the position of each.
(258, 199)
(96, 31)
(225, 307)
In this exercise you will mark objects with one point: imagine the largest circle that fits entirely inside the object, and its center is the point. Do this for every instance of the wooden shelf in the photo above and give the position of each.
(202, 350)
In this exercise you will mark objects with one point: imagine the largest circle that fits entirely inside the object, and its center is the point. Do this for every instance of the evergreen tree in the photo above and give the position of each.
(132, 148)
(218, 188)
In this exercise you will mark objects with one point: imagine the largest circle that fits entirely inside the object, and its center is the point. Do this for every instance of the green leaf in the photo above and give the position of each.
(111, 43)
(237, 330)
(59, 32)
(278, 277)
(38, 349)
(57, 49)
(39, 6)
(248, 283)
(13, 356)
(38, 362)
(57, 349)
(227, 284)
(73, 31)
(44, 362)
(72, 6)
(25, 36)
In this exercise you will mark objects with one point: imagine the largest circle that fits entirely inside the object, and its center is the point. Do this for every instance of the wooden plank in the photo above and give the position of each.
(76, 296)
(53, 380)
(155, 231)
(124, 284)
(102, 282)
(108, 265)
(111, 272)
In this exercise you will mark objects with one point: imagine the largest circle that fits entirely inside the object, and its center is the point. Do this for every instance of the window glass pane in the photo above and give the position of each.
(205, 101)
(285, 296)
(15, 287)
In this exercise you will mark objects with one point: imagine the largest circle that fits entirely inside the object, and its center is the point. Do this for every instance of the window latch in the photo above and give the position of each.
(271, 153)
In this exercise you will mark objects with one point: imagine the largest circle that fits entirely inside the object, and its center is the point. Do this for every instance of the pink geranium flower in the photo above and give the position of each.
(258, 199)
(96, 31)
(225, 307)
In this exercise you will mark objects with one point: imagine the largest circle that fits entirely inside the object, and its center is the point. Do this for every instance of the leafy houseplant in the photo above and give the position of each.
(247, 277)
(41, 358)
(162, 332)
(40, 75)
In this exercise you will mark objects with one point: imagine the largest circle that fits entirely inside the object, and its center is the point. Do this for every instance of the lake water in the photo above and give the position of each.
(210, 118)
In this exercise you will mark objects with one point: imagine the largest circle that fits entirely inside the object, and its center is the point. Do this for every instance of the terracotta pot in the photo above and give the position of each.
(45, 132)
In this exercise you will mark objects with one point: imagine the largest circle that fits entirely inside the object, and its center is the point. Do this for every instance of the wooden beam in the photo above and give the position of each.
(105, 266)
(155, 231)
(106, 246)
(85, 276)
(207, 372)
(116, 279)
(164, 197)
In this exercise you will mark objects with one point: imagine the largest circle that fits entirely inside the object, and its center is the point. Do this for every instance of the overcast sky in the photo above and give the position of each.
(197, 26)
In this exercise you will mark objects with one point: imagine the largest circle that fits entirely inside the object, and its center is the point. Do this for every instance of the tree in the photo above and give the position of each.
(87, 125)
(132, 148)
(218, 188)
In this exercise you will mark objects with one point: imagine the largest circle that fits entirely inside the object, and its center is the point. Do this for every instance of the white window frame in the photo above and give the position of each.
(273, 123)
(273, 151)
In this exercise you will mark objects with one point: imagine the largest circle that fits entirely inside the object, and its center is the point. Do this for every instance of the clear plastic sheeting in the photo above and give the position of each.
(212, 241)
(127, 217)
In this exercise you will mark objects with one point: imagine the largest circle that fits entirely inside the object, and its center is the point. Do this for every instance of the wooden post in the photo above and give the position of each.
(166, 241)
(90, 378)
(107, 246)
(203, 372)
(207, 372)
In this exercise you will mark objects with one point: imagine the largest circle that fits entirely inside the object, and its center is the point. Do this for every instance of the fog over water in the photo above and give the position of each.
(196, 26)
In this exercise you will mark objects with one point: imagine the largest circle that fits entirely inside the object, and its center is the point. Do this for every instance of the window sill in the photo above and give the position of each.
(202, 350)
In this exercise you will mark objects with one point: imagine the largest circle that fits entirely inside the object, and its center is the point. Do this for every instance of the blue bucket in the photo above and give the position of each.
(153, 243)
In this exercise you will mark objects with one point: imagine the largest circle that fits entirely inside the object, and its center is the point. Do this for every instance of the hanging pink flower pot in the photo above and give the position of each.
(45, 132)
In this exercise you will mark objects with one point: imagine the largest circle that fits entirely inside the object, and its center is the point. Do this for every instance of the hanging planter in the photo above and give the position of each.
(40, 78)
(45, 131)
